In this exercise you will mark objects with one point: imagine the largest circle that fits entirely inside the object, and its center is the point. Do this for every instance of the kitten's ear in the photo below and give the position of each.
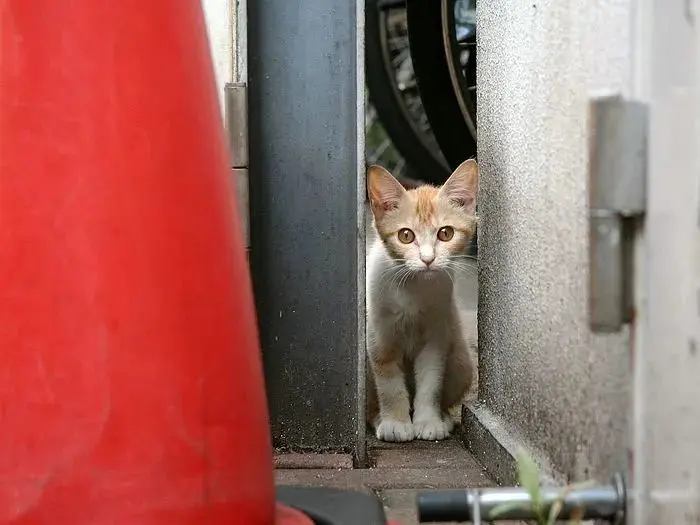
(385, 192)
(462, 186)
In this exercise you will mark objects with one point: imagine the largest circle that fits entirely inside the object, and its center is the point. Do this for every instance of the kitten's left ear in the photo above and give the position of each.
(462, 186)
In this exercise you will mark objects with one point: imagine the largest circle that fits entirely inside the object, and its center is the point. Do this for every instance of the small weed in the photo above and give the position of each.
(543, 512)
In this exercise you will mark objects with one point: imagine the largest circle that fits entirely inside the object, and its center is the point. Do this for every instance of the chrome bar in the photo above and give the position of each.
(603, 502)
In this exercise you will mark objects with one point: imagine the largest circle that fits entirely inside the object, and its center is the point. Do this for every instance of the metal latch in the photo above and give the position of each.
(617, 202)
(601, 502)
(236, 111)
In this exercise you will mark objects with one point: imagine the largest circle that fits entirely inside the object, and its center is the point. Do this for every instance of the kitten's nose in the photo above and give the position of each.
(427, 258)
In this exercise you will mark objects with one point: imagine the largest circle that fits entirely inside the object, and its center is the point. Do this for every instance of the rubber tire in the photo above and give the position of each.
(419, 158)
(327, 506)
(434, 83)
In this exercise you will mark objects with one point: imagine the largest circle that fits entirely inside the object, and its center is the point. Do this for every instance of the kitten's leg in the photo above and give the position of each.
(393, 423)
(429, 368)
(459, 374)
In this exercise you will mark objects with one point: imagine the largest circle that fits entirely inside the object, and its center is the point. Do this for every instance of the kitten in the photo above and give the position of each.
(414, 339)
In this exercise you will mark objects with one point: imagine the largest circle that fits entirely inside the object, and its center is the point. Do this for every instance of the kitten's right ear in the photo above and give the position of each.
(462, 186)
(385, 192)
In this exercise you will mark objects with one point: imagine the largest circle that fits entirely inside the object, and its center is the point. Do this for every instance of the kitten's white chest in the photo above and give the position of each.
(407, 315)
(414, 311)
(410, 309)
(406, 306)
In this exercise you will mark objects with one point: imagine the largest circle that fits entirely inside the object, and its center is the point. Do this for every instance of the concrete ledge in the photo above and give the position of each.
(448, 454)
(495, 446)
(313, 461)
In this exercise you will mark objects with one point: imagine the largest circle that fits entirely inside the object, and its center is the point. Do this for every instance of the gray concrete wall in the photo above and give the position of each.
(545, 378)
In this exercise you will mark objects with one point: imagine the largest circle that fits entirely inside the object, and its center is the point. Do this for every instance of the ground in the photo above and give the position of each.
(397, 474)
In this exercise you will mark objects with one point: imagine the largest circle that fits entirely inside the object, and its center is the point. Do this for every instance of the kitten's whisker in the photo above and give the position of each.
(463, 257)
(465, 270)
(404, 277)
(464, 261)
(398, 276)
(394, 277)
(401, 276)
(449, 274)
(389, 271)
(462, 266)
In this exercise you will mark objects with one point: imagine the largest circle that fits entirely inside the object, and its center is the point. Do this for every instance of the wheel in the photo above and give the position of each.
(327, 506)
(394, 96)
(442, 37)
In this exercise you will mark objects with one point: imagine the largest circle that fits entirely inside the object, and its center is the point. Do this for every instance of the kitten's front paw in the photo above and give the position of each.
(434, 429)
(389, 430)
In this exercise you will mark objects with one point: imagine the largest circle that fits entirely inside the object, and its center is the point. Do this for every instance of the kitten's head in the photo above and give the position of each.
(426, 229)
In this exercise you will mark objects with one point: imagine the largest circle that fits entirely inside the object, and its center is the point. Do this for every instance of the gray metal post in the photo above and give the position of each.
(306, 245)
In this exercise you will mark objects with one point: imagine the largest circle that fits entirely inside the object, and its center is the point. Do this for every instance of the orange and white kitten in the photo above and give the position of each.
(415, 341)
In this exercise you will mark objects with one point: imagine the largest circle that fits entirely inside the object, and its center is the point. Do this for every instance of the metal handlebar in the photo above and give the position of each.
(603, 502)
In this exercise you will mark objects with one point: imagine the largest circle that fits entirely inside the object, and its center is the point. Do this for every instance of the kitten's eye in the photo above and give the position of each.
(406, 236)
(446, 233)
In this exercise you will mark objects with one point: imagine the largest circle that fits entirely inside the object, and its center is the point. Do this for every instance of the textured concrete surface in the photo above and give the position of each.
(550, 380)
(491, 441)
(294, 460)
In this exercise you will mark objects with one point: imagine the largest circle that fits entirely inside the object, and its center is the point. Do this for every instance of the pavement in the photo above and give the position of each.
(397, 473)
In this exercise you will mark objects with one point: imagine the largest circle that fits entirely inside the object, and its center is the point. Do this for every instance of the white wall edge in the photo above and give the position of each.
(218, 17)
(239, 25)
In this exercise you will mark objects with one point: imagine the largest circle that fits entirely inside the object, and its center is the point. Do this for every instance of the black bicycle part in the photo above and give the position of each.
(432, 71)
(326, 506)
(425, 163)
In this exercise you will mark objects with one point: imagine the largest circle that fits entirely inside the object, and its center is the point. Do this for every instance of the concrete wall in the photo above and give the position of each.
(546, 381)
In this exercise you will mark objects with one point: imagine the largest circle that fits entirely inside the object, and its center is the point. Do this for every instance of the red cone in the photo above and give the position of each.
(131, 387)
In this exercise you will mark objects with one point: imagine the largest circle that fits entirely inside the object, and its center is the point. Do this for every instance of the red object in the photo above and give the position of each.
(131, 389)
(289, 516)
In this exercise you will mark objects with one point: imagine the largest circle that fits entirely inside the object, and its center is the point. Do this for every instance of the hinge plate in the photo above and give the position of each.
(236, 101)
(617, 201)
(618, 148)
(236, 111)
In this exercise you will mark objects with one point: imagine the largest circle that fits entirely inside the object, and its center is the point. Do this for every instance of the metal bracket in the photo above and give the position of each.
(236, 111)
(617, 201)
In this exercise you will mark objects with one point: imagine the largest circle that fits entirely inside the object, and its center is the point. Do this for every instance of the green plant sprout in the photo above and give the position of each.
(529, 479)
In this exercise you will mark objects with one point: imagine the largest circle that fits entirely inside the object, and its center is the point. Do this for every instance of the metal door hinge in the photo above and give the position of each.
(236, 111)
(617, 201)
